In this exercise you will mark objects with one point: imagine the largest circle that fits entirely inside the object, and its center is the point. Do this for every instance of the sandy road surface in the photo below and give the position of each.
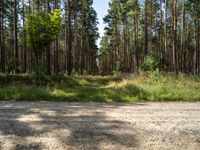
(94, 126)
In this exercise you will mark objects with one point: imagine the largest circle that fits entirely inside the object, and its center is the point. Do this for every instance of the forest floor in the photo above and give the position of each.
(120, 88)
(99, 126)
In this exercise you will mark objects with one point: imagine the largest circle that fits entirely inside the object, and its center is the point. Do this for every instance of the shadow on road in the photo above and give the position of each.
(25, 126)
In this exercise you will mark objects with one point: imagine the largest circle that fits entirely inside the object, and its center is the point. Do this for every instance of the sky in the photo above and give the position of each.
(101, 7)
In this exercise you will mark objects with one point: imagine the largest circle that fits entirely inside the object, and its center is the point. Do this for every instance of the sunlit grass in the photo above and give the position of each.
(103, 89)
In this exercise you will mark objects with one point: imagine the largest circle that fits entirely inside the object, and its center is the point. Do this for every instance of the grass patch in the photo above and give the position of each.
(102, 89)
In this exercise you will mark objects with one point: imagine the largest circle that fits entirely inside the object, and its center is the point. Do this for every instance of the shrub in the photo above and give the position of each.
(150, 63)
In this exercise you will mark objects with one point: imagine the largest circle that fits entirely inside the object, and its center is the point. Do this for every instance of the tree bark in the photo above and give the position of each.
(2, 45)
(24, 38)
(161, 35)
(145, 31)
(165, 32)
(174, 36)
(183, 38)
(83, 38)
(15, 37)
(56, 47)
(135, 45)
(69, 43)
(48, 50)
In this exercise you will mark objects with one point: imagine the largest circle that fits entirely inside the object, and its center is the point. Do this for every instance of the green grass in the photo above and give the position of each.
(102, 89)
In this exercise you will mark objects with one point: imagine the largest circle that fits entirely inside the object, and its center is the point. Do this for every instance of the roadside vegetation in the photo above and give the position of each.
(119, 88)
(41, 40)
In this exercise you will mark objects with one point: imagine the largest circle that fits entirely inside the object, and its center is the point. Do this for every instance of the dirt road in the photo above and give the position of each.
(95, 126)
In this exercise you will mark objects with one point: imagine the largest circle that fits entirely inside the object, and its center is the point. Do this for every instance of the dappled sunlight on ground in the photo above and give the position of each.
(124, 88)
(51, 125)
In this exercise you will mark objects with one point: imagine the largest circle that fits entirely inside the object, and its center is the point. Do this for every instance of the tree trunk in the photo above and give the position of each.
(174, 36)
(37, 59)
(146, 31)
(76, 49)
(48, 50)
(69, 56)
(24, 37)
(2, 45)
(56, 44)
(198, 49)
(196, 45)
(15, 37)
(161, 34)
(165, 39)
(135, 43)
(83, 38)
(183, 39)
(124, 48)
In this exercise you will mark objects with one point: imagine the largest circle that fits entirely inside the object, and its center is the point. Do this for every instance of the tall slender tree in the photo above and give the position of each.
(145, 29)
(48, 50)
(2, 48)
(165, 33)
(24, 36)
(16, 37)
(69, 43)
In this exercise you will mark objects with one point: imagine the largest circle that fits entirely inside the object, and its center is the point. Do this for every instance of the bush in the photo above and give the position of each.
(11, 64)
(150, 63)
(44, 77)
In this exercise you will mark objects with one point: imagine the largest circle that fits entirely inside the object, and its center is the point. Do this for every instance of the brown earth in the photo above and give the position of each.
(99, 126)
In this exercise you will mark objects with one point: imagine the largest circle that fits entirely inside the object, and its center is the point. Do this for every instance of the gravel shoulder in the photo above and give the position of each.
(99, 126)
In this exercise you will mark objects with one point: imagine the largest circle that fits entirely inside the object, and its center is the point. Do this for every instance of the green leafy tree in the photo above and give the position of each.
(42, 29)
(151, 62)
